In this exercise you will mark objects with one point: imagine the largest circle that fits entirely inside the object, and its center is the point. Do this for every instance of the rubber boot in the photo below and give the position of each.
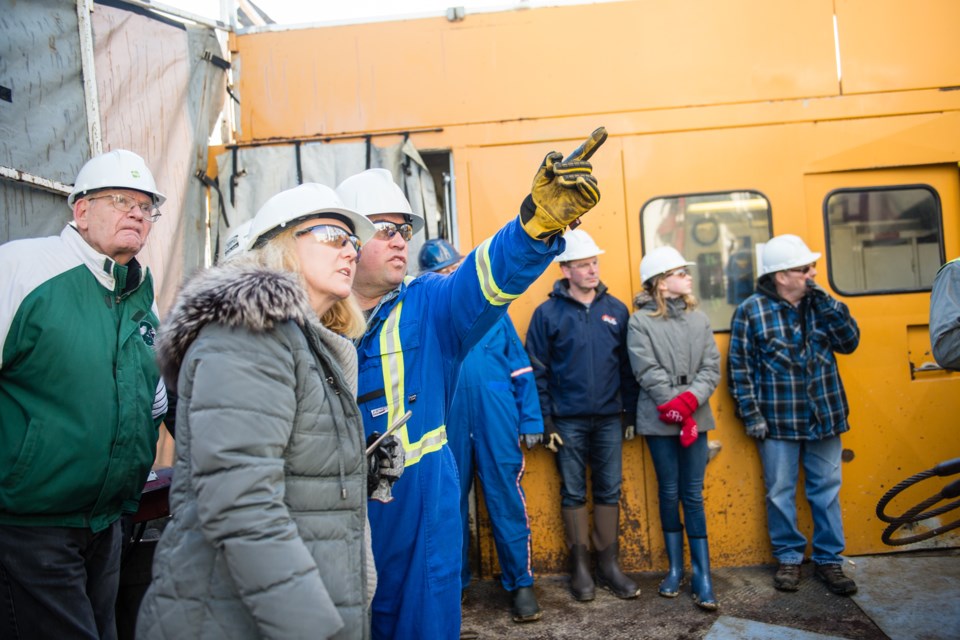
(606, 534)
(701, 583)
(575, 521)
(670, 587)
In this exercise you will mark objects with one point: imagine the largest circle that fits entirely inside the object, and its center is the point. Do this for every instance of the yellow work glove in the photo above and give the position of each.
(563, 190)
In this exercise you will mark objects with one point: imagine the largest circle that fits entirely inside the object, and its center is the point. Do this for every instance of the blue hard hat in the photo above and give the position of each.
(437, 254)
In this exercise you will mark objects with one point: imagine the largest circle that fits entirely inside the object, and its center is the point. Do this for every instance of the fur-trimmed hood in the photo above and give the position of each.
(235, 295)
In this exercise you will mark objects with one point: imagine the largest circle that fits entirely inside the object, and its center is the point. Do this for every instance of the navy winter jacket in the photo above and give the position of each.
(579, 355)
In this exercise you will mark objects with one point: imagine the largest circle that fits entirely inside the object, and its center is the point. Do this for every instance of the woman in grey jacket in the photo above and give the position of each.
(269, 492)
(677, 364)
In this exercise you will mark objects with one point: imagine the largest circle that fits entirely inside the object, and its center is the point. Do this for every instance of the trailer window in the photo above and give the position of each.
(883, 239)
(718, 232)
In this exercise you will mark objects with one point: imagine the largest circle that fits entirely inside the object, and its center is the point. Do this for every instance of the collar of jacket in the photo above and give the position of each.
(236, 294)
(113, 276)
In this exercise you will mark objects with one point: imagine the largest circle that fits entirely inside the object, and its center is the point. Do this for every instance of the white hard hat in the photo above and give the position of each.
(119, 169)
(309, 200)
(661, 260)
(373, 192)
(579, 246)
(785, 252)
(237, 239)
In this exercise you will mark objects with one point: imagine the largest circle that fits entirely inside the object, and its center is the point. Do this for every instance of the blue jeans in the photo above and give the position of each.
(680, 480)
(596, 441)
(821, 465)
(58, 582)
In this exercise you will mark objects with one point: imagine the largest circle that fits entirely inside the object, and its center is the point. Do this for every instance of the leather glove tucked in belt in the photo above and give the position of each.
(562, 191)
(551, 436)
(385, 465)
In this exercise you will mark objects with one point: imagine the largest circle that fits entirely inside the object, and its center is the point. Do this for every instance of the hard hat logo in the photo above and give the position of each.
(135, 173)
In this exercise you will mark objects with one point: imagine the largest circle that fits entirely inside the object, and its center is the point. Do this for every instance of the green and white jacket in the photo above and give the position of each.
(80, 392)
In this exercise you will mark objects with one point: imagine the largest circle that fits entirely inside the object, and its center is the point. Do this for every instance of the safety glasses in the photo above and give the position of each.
(125, 204)
(805, 269)
(332, 236)
(680, 273)
(386, 230)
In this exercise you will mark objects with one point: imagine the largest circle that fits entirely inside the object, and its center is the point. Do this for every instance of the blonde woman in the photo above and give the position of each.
(677, 364)
(269, 493)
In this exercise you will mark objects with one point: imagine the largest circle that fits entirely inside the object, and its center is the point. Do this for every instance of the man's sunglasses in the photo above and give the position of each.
(386, 230)
(332, 236)
(805, 269)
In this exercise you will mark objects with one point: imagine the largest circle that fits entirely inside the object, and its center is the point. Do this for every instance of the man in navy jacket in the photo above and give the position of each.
(577, 345)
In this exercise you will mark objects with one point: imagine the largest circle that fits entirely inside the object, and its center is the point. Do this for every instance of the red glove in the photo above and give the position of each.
(688, 432)
(679, 409)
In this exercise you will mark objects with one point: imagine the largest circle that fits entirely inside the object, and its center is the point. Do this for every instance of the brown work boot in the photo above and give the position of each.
(787, 578)
(835, 579)
(575, 520)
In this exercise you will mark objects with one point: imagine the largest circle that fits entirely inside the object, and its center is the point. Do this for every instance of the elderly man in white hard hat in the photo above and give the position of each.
(418, 334)
(588, 396)
(783, 376)
(81, 401)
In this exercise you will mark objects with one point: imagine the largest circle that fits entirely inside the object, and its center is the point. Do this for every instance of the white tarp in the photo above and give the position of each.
(158, 97)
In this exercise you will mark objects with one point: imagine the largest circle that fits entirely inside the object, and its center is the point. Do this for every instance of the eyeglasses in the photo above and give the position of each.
(386, 230)
(125, 204)
(332, 236)
(805, 269)
(680, 273)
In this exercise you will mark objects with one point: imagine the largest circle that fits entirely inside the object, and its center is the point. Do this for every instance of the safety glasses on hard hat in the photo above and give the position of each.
(386, 230)
(332, 236)
(125, 204)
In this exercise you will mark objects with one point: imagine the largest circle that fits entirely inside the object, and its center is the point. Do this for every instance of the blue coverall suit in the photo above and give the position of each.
(494, 404)
(416, 340)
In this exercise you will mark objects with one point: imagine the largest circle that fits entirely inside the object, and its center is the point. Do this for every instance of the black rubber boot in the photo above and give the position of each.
(606, 533)
(575, 521)
(701, 582)
(525, 605)
(670, 587)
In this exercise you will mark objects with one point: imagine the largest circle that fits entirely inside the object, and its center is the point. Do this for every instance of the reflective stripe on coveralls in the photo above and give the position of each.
(392, 367)
(488, 284)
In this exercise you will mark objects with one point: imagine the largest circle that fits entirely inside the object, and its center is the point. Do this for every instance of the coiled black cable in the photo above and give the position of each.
(918, 512)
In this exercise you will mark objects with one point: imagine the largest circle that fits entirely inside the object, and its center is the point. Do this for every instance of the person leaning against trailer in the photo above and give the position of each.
(786, 387)
(677, 364)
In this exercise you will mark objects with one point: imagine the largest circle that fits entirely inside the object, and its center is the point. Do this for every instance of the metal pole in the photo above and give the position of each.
(88, 67)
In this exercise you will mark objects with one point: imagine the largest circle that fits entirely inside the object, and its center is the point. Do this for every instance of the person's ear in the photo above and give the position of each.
(81, 211)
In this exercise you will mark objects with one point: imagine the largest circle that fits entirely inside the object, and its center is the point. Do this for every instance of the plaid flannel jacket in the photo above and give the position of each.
(781, 365)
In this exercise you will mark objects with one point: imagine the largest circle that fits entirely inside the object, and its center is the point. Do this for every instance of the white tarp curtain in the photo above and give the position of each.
(158, 97)
(249, 176)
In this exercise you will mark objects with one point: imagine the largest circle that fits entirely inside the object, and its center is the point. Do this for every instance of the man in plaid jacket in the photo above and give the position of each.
(784, 380)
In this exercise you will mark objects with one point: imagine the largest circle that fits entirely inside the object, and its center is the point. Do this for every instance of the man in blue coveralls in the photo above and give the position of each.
(417, 336)
(495, 405)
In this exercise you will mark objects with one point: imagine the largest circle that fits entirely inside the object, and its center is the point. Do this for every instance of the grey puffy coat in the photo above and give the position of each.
(269, 488)
(669, 356)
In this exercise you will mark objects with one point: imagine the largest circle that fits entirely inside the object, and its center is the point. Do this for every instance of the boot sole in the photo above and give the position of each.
(623, 595)
(528, 618)
(584, 597)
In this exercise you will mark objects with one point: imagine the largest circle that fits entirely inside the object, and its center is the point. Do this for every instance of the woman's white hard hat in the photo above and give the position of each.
(373, 192)
(118, 169)
(579, 245)
(661, 260)
(293, 206)
(784, 252)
